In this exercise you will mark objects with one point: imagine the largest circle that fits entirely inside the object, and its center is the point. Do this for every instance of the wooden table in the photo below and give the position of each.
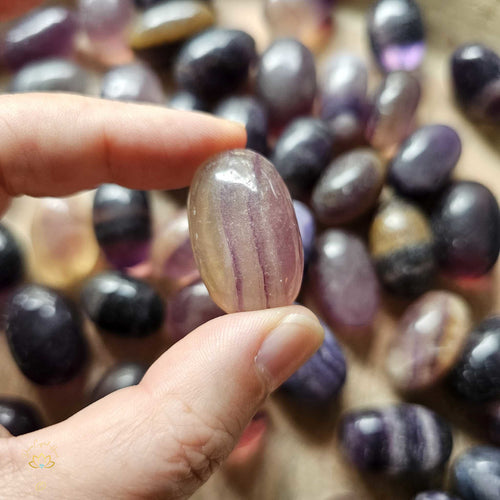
(301, 460)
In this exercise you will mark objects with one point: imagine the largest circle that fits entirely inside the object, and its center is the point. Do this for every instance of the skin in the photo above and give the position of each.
(166, 436)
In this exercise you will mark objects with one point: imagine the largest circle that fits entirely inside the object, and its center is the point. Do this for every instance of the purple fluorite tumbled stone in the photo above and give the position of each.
(426, 160)
(435, 495)
(42, 33)
(118, 377)
(397, 439)
(466, 225)
(286, 80)
(11, 260)
(322, 377)
(396, 33)
(307, 228)
(186, 101)
(19, 416)
(343, 280)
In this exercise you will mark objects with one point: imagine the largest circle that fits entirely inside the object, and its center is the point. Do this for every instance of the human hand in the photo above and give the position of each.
(166, 436)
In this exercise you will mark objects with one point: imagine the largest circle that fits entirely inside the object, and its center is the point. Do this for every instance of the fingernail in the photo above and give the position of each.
(287, 347)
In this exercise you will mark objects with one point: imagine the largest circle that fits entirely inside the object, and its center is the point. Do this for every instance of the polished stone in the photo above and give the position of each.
(19, 416)
(122, 305)
(188, 309)
(307, 228)
(397, 34)
(45, 335)
(393, 114)
(118, 377)
(286, 80)
(343, 280)
(122, 224)
(475, 474)
(185, 101)
(215, 63)
(428, 341)
(426, 160)
(476, 376)
(396, 439)
(349, 187)
(244, 233)
(435, 495)
(402, 245)
(12, 265)
(466, 224)
(302, 152)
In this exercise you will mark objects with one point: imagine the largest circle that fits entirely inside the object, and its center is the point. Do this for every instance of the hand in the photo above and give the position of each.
(166, 436)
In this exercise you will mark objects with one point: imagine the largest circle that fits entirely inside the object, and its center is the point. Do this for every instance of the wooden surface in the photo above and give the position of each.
(301, 460)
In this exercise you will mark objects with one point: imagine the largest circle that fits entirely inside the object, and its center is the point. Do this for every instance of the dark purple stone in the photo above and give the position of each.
(286, 80)
(42, 33)
(466, 224)
(348, 131)
(185, 101)
(11, 260)
(118, 377)
(322, 377)
(250, 112)
(475, 474)
(307, 228)
(188, 309)
(122, 224)
(45, 335)
(426, 160)
(215, 62)
(302, 152)
(491, 414)
(122, 305)
(435, 495)
(476, 377)
(396, 32)
(19, 416)
(397, 439)
(344, 281)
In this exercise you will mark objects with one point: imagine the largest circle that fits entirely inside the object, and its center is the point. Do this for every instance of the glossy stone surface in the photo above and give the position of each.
(45, 335)
(45, 32)
(215, 63)
(132, 82)
(475, 75)
(322, 377)
(349, 187)
(343, 280)
(143, 4)
(244, 233)
(302, 152)
(122, 224)
(435, 495)
(188, 309)
(476, 376)
(186, 101)
(396, 439)
(310, 21)
(425, 161)
(429, 340)
(466, 224)
(118, 377)
(122, 305)
(402, 245)
(250, 112)
(19, 416)
(307, 228)
(50, 75)
(396, 32)
(475, 474)
(172, 259)
(286, 80)
(394, 106)
(11, 260)
(106, 24)
(348, 130)
(64, 244)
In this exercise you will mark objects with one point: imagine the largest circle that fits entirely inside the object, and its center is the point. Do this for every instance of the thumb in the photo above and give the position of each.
(167, 435)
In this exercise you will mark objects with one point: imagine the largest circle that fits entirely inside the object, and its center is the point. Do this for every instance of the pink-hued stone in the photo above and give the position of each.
(244, 232)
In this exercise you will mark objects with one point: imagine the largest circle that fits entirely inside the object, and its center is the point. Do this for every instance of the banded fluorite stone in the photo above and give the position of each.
(19, 416)
(118, 377)
(429, 340)
(396, 31)
(396, 439)
(307, 228)
(244, 233)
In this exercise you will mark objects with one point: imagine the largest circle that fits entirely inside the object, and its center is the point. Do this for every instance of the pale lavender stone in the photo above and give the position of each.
(47, 32)
(105, 19)
(435, 495)
(344, 281)
(322, 377)
(132, 82)
(396, 439)
(307, 228)
(396, 33)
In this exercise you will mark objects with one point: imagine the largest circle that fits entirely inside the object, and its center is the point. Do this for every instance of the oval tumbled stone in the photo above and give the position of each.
(244, 233)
